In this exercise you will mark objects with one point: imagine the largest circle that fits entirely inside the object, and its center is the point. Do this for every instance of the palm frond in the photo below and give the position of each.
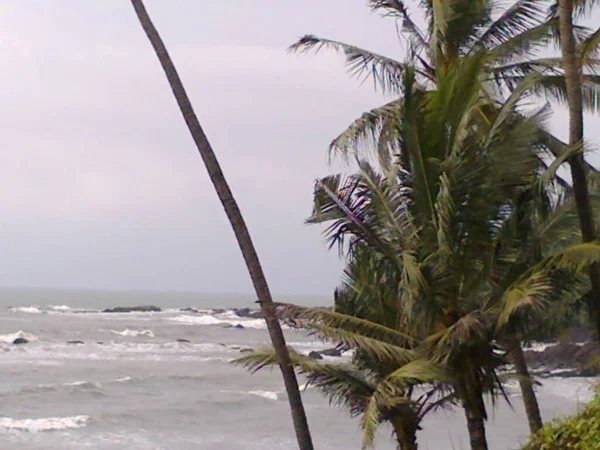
(385, 72)
(519, 18)
(324, 317)
(366, 130)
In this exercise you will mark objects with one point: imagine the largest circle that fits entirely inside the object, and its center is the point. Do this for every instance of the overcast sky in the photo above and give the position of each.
(101, 185)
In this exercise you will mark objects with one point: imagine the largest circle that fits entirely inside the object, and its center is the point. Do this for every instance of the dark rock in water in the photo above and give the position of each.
(248, 313)
(234, 347)
(193, 310)
(331, 352)
(584, 360)
(19, 341)
(126, 309)
(183, 340)
(315, 355)
(239, 326)
(100, 342)
(246, 350)
(75, 342)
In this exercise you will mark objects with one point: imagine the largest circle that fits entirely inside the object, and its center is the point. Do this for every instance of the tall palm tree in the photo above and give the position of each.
(434, 208)
(572, 60)
(510, 39)
(237, 223)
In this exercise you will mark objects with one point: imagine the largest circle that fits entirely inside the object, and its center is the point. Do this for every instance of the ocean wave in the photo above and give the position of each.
(9, 338)
(134, 333)
(45, 424)
(83, 384)
(221, 319)
(269, 395)
(26, 309)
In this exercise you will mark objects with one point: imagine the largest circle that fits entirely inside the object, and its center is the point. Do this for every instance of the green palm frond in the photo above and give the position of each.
(366, 130)
(519, 18)
(385, 72)
(317, 316)
(553, 87)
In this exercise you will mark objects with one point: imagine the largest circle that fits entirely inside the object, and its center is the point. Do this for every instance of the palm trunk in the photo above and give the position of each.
(516, 356)
(572, 73)
(406, 434)
(476, 427)
(237, 223)
(471, 397)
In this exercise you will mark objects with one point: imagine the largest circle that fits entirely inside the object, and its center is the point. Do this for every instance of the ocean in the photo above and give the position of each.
(131, 384)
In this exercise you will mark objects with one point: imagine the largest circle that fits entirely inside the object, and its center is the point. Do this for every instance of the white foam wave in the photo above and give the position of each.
(60, 308)
(539, 346)
(213, 320)
(9, 338)
(45, 424)
(88, 384)
(270, 395)
(123, 380)
(26, 309)
(133, 333)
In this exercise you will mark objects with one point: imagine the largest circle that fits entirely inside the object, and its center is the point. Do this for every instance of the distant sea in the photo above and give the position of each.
(132, 380)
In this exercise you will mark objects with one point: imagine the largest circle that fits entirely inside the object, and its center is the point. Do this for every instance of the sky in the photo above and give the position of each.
(101, 184)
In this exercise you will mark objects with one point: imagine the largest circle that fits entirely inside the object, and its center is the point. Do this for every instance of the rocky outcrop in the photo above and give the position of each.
(19, 341)
(75, 342)
(576, 359)
(246, 350)
(315, 355)
(127, 309)
(331, 352)
(248, 313)
(185, 341)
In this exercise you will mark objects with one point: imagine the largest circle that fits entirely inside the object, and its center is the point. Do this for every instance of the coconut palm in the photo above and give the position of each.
(237, 223)
(573, 60)
(435, 208)
(510, 40)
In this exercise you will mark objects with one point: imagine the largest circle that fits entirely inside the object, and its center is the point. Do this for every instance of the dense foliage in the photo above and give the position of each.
(581, 431)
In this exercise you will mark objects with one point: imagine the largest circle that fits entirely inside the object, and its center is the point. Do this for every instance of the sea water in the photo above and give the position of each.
(136, 383)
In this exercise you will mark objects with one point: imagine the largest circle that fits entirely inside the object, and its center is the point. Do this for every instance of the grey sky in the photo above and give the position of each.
(101, 184)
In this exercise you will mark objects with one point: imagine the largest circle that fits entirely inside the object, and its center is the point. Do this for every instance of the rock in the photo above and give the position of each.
(126, 309)
(19, 341)
(246, 350)
(239, 326)
(582, 360)
(189, 309)
(75, 342)
(184, 340)
(234, 347)
(315, 355)
(331, 352)
(100, 342)
(248, 313)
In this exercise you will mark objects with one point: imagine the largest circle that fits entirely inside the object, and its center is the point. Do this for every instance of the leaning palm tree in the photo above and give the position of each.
(237, 223)
(573, 59)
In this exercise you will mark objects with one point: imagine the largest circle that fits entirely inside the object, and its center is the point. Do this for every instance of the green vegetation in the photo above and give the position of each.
(580, 432)
(461, 238)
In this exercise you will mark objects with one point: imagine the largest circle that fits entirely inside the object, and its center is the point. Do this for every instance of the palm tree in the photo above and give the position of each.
(510, 41)
(434, 209)
(239, 227)
(573, 58)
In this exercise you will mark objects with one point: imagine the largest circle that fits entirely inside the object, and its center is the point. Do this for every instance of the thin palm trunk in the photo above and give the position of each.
(237, 223)
(406, 434)
(572, 71)
(516, 356)
(471, 396)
